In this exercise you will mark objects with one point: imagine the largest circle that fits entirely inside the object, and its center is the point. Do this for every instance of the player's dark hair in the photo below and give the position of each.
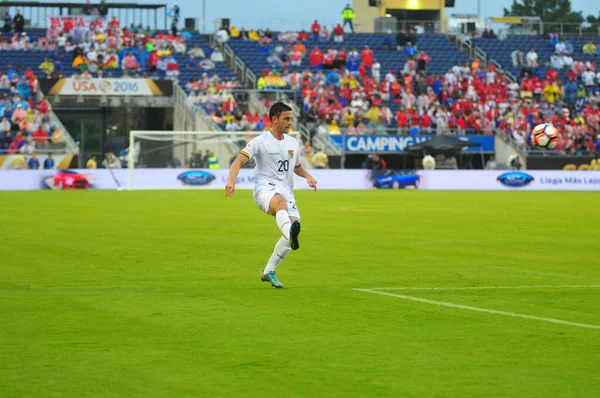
(277, 109)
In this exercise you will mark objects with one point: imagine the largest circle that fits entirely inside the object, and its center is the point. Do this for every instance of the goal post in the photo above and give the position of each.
(156, 149)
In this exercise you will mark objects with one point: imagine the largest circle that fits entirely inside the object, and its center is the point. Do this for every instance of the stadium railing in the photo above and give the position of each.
(539, 28)
(36, 13)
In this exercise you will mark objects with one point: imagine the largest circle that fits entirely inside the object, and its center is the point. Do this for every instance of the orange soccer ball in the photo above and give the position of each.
(544, 136)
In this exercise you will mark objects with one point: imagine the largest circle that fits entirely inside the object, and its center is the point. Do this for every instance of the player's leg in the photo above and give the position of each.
(281, 250)
(294, 233)
(282, 247)
(288, 227)
(295, 219)
(279, 207)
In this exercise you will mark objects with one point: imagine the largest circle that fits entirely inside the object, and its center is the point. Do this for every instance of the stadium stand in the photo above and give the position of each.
(258, 56)
(40, 53)
(563, 88)
(458, 96)
(454, 96)
(545, 48)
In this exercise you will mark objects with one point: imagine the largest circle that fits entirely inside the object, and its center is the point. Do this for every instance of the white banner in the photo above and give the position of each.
(166, 179)
(327, 179)
(89, 21)
(108, 87)
(535, 180)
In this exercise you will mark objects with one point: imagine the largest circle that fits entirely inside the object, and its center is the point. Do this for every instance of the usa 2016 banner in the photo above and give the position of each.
(108, 87)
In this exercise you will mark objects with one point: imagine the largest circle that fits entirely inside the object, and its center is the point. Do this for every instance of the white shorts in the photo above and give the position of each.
(263, 198)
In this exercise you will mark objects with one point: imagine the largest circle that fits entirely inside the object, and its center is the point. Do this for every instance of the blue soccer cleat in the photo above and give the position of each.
(270, 277)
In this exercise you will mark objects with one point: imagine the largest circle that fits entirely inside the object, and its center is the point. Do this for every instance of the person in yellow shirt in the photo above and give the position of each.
(260, 83)
(320, 159)
(163, 53)
(352, 83)
(270, 80)
(233, 31)
(589, 48)
(252, 35)
(47, 67)
(595, 164)
(279, 82)
(91, 163)
(29, 116)
(348, 119)
(57, 137)
(228, 118)
(550, 93)
(211, 89)
(18, 162)
(334, 129)
(373, 114)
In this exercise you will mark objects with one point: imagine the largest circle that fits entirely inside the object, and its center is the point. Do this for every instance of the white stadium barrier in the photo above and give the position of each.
(327, 179)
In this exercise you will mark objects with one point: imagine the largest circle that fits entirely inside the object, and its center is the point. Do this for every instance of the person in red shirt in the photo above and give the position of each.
(415, 118)
(402, 120)
(338, 34)
(303, 36)
(461, 123)
(527, 85)
(316, 29)
(153, 59)
(366, 57)
(68, 26)
(346, 92)
(471, 121)
(40, 135)
(362, 71)
(426, 121)
(252, 118)
(115, 24)
(572, 75)
(308, 92)
(395, 89)
(328, 60)
(384, 89)
(42, 107)
(552, 74)
(315, 59)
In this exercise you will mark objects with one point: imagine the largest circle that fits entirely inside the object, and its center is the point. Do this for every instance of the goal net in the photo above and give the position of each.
(152, 150)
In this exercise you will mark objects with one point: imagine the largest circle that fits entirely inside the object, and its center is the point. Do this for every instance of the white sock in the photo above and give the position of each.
(283, 222)
(282, 248)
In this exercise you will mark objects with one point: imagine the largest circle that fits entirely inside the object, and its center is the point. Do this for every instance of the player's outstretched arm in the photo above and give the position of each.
(233, 173)
(301, 172)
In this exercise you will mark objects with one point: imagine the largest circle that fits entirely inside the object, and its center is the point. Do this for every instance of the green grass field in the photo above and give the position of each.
(158, 294)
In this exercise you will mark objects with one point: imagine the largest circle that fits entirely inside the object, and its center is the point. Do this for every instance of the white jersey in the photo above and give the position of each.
(275, 162)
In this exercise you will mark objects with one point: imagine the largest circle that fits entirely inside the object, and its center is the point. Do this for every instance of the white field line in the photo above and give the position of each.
(487, 287)
(477, 309)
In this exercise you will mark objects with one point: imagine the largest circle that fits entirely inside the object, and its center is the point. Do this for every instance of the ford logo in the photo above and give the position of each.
(515, 179)
(196, 178)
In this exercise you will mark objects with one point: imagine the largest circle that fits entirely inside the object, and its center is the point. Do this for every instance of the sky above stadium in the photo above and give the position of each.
(298, 14)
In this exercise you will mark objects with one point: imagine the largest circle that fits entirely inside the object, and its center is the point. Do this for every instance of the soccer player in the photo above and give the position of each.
(277, 157)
